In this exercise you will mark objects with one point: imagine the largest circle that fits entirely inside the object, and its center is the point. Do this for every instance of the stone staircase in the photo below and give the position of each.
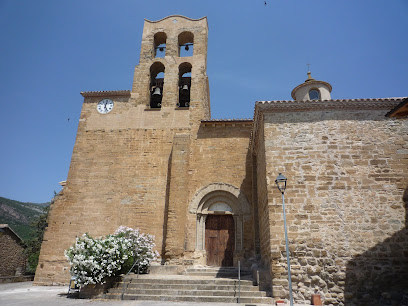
(218, 285)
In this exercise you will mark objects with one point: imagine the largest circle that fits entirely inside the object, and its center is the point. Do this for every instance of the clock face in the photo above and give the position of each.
(104, 106)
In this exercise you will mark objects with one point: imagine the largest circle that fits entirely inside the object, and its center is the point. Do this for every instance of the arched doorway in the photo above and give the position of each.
(220, 236)
(220, 210)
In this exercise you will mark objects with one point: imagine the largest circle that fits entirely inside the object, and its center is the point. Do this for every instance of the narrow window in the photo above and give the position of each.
(314, 94)
(184, 85)
(156, 84)
(186, 44)
(160, 44)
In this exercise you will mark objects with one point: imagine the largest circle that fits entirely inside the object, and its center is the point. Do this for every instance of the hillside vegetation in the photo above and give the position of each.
(20, 216)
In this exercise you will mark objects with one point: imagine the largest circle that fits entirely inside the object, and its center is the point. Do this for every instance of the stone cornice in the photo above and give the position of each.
(174, 16)
(227, 122)
(290, 106)
(293, 105)
(178, 16)
(107, 93)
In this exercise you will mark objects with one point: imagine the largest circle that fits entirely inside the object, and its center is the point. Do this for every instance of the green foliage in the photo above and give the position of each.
(33, 245)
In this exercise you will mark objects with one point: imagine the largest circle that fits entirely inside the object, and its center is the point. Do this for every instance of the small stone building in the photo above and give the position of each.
(152, 158)
(12, 258)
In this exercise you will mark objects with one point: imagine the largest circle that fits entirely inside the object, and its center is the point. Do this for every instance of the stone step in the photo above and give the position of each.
(181, 292)
(190, 298)
(186, 280)
(215, 269)
(185, 286)
(196, 284)
(216, 272)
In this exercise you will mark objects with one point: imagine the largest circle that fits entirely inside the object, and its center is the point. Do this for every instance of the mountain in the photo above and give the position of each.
(19, 215)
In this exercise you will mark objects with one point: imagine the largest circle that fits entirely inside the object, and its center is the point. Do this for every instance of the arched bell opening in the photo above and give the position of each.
(160, 39)
(156, 84)
(186, 44)
(184, 85)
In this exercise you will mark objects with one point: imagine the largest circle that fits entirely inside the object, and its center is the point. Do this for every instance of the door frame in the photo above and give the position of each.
(240, 211)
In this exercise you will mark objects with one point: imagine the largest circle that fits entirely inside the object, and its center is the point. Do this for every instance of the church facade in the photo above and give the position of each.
(152, 158)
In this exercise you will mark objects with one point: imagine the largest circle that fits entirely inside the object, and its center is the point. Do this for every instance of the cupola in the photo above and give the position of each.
(312, 89)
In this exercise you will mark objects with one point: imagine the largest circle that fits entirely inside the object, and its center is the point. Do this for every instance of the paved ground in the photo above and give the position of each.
(26, 294)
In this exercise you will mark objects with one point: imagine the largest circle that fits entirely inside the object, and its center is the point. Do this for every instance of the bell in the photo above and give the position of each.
(185, 87)
(186, 104)
(156, 92)
(187, 47)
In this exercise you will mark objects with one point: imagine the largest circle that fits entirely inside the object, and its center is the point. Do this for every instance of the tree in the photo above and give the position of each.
(33, 245)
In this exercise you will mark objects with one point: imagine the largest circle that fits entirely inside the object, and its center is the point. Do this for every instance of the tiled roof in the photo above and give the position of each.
(333, 100)
(7, 227)
(294, 105)
(105, 93)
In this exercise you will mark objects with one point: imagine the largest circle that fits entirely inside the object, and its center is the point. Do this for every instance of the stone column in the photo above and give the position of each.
(198, 232)
(204, 217)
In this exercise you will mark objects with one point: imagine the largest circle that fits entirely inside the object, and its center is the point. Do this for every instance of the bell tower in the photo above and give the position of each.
(171, 75)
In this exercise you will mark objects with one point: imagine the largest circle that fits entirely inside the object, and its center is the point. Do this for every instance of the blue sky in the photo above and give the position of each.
(51, 50)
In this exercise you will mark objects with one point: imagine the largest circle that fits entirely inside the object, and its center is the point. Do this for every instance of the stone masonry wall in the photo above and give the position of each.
(263, 221)
(122, 177)
(117, 176)
(174, 232)
(141, 167)
(11, 254)
(120, 172)
(347, 173)
(219, 154)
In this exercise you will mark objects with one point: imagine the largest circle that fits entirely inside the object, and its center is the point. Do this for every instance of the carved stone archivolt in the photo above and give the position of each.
(228, 191)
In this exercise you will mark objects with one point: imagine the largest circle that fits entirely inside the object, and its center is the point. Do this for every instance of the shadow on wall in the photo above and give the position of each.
(379, 276)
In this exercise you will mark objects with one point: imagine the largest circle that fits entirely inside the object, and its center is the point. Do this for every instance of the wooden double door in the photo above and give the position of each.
(220, 240)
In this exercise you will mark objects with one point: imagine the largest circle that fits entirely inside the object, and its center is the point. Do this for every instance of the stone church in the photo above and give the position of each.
(153, 158)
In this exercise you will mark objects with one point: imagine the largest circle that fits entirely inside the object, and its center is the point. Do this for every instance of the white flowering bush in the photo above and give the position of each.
(94, 259)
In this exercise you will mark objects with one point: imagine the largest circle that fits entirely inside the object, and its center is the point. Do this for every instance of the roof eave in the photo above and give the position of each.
(294, 105)
(107, 93)
(7, 227)
(400, 110)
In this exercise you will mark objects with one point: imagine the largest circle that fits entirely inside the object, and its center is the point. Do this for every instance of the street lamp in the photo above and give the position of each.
(281, 183)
